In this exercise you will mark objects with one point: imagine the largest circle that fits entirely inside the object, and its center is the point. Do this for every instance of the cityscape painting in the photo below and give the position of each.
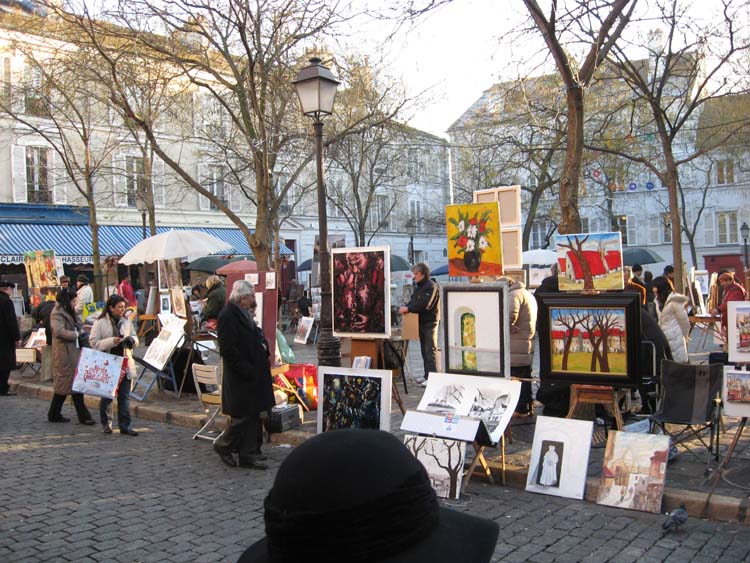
(589, 261)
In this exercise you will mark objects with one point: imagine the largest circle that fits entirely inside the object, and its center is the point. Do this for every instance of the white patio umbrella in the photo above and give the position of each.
(174, 244)
(539, 256)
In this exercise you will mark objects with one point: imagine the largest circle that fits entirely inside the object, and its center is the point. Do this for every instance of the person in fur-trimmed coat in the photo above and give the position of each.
(673, 317)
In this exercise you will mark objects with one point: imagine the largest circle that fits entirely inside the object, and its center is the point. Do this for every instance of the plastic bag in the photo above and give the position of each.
(287, 356)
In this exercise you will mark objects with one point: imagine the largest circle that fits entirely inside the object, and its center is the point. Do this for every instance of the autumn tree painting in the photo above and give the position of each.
(589, 340)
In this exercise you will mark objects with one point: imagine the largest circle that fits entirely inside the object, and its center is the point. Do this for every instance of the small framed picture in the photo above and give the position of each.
(252, 278)
(165, 303)
(270, 280)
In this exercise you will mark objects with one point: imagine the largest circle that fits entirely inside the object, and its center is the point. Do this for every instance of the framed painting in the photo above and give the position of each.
(165, 303)
(361, 292)
(702, 278)
(270, 280)
(476, 328)
(590, 261)
(591, 339)
(738, 331)
(443, 459)
(353, 398)
(559, 457)
(178, 301)
(490, 399)
(536, 275)
(474, 244)
(252, 278)
(633, 472)
(41, 268)
(304, 328)
(736, 392)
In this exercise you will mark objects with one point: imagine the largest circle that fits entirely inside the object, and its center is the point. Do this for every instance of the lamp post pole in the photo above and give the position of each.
(745, 232)
(411, 230)
(316, 88)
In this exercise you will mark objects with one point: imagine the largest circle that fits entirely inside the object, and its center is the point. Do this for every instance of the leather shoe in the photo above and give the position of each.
(227, 458)
(128, 431)
(253, 464)
(107, 430)
(59, 418)
(87, 422)
(8, 394)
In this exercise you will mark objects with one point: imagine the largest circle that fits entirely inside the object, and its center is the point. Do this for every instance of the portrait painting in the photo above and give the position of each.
(590, 338)
(353, 398)
(304, 328)
(589, 261)
(443, 459)
(634, 470)
(165, 303)
(474, 244)
(738, 331)
(559, 457)
(361, 292)
(736, 392)
(702, 277)
(476, 328)
(492, 400)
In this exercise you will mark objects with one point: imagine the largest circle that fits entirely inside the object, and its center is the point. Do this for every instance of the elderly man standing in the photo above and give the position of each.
(247, 390)
(10, 336)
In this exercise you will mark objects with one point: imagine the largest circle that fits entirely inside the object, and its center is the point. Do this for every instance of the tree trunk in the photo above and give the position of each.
(570, 220)
(674, 218)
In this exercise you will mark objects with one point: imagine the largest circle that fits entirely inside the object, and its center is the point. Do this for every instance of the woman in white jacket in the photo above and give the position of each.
(673, 317)
(114, 334)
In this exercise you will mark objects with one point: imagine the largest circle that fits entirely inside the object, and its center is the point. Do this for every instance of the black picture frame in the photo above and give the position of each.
(487, 302)
(615, 311)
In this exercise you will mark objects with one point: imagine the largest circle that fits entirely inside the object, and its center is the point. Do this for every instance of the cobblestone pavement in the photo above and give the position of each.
(70, 493)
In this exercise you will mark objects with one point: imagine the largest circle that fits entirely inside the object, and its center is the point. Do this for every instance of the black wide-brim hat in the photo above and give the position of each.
(361, 496)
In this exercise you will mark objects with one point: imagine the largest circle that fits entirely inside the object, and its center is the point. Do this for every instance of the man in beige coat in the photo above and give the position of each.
(523, 309)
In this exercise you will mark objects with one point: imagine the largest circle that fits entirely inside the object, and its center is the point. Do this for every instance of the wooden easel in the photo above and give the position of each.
(147, 323)
(604, 395)
(487, 466)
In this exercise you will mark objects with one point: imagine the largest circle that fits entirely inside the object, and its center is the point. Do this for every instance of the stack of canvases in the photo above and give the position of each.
(633, 471)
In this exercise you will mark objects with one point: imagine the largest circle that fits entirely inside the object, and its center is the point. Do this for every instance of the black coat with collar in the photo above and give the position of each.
(9, 333)
(246, 381)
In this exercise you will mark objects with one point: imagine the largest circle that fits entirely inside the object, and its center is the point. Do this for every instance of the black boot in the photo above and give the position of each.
(84, 416)
(55, 409)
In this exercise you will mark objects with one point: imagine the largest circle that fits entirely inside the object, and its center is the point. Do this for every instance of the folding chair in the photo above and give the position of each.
(210, 401)
(690, 402)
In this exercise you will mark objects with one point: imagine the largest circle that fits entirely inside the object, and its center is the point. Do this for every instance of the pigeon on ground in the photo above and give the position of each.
(675, 519)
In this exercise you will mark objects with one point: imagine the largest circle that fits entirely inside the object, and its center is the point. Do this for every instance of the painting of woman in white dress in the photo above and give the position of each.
(550, 462)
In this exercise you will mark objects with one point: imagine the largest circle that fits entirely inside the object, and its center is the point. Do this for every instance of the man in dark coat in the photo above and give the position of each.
(425, 301)
(10, 336)
(247, 389)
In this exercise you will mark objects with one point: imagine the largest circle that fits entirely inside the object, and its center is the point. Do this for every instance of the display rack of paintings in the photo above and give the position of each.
(361, 292)
(590, 261)
(474, 247)
(738, 331)
(476, 328)
(634, 470)
(736, 392)
(559, 457)
(590, 339)
(443, 459)
(353, 398)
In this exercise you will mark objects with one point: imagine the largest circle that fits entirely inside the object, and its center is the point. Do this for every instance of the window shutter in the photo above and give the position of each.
(203, 202)
(119, 185)
(708, 227)
(18, 97)
(632, 231)
(18, 165)
(57, 177)
(654, 230)
(158, 182)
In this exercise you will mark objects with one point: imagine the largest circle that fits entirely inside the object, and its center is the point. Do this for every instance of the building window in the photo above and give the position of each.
(621, 224)
(415, 210)
(538, 234)
(726, 222)
(134, 178)
(380, 214)
(725, 172)
(36, 97)
(37, 175)
(666, 229)
(216, 184)
(585, 225)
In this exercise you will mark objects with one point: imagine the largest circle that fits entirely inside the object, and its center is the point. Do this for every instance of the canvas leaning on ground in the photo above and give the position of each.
(738, 331)
(353, 398)
(361, 292)
(559, 457)
(634, 470)
(443, 459)
(304, 328)
(476, 328)
(589, 261)
(736, 392)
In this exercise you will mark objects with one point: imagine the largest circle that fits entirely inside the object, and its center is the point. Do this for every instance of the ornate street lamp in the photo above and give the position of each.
(411, 230)
(316, 89)
(140, 205)
(745, 232)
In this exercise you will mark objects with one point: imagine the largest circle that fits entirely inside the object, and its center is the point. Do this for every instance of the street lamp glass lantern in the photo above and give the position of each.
(316, 88)
(411, 227)
(744, 231)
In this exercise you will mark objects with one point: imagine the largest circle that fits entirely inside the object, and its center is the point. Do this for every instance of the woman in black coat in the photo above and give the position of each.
(247, 389)
(10, 336)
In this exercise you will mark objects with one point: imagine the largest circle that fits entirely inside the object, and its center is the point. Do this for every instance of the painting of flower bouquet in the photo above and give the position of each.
(474, 247)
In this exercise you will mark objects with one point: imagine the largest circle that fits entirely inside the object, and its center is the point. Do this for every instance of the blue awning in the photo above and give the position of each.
(72, 243)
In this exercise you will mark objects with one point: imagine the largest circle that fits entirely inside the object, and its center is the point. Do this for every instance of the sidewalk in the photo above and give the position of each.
(685, 475)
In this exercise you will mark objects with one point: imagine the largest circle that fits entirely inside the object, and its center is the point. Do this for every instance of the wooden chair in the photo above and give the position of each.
(210, 401)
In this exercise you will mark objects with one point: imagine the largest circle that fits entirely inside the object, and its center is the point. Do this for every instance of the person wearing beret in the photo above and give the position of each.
(10, 336)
